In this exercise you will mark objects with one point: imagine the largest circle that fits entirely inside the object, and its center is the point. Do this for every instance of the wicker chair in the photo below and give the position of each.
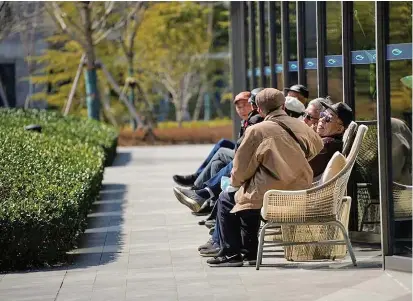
(348, 138)
(402, 201)
(366, 177)
(320, 205)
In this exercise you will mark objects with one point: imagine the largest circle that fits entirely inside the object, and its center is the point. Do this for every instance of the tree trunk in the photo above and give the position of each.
(131, 96)
(179, 112)
(92, 92)
(199, 101)
(29, 95)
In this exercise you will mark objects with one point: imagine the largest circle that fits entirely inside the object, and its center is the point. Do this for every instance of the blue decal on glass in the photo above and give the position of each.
(333, 61)
(293, 66)
(358, 57)
(310, 63)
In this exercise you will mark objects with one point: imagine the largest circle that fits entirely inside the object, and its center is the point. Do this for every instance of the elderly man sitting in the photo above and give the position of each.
(312, 112)
(273, 155)
(207, 185)
(247, 115)
(330, 126)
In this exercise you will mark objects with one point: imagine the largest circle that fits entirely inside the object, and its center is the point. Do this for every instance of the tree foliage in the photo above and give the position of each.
(173, 41)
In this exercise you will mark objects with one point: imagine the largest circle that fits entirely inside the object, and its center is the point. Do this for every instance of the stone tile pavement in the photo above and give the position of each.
(141, 244)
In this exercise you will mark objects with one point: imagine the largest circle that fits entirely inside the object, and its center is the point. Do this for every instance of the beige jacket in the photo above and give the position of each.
(269, 158)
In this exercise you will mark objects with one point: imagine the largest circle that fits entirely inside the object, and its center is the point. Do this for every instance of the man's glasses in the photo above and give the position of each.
(327, 118)
(309, 117)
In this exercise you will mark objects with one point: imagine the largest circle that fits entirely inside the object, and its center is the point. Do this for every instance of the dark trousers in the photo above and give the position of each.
(238, 231)
(221, 143)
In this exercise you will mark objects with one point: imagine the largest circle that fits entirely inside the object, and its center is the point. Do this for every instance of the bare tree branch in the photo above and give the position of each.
(58, 20)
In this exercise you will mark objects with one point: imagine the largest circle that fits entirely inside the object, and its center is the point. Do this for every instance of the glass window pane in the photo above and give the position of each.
(364, 74)
(334, 74)
(400, 31)
(292, 5)
(310, 47)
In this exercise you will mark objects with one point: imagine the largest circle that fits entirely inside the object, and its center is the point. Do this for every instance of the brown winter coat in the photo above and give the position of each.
(269, 158)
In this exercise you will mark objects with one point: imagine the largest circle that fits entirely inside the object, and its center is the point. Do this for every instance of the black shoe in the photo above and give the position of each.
(210, 223)
(189, 198)
(250, 260)
(206, 245)
(205, 210)
(213, 251)
(186, 181)
(226, 261)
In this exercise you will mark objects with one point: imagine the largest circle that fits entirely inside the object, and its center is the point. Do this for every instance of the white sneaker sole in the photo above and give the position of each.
(184, 200)
(227, 264)
(209, 255)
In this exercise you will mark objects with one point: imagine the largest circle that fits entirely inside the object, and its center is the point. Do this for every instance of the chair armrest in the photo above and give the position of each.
(401, 186)
(280, 205)
(316, 203)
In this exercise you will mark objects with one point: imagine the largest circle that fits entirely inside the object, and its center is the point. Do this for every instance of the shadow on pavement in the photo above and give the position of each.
(103, 240)
(123, 157)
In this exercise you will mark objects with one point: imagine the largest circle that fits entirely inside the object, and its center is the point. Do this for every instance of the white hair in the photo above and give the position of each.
(317, 103)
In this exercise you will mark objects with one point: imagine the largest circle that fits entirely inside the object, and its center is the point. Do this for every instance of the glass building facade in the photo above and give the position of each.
(358, 52)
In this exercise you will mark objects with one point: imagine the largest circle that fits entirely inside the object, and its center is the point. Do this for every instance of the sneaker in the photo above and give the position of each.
(206, 245)
(213, 251)
(226, 261)
(187, 181)
(205, 210)
(189, 198)
(250, 260)
(210, 224)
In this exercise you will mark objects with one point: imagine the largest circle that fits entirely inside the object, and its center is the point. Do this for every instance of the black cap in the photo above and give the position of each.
(342, 110)
(253, 94)
(299, 89)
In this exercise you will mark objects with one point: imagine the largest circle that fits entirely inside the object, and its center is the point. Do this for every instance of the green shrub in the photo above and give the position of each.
(70, 127)
(48, 182)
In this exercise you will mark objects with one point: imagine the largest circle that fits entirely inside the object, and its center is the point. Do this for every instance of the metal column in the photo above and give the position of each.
(238, 63)
(301, 41)
(253, 39)
(261, 31)
(285, 41)
(384, 127)
(272, 49)
(321, 48)
(246, 45)
(347, 47)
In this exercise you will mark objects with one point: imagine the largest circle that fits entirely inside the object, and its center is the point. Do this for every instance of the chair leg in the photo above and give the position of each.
(366, 211)
(261, 246)
(348, 243)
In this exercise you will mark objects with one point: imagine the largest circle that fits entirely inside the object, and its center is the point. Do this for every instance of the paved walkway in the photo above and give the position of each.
(140, 244)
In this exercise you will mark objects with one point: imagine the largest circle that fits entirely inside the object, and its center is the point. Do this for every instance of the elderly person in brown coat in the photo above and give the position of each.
(273, 155)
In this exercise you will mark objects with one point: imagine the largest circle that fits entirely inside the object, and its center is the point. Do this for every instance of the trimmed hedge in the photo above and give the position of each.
(70, 127)
(48, 182)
